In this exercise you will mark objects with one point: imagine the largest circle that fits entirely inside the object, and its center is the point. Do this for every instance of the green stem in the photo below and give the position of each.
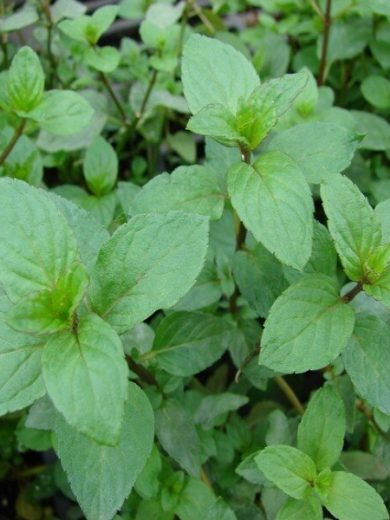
(350, 295)
(325, 43)
(114, 97)
(14, 139)
(148, 92)
(240, 238)
(290, 394)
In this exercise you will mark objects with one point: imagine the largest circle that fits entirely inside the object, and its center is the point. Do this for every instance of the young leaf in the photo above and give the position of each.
(100, 167)
(352, 224)
(288, 468)
(308, 326)
(101, 477)
(274, 202)
(25, 81)
(257, 115)
(37, 247)
(366, 359)
(192, 189)
(50, 310)
(215, 73)
(187, 342)
(62, 112)
(86, 377)
(104, 59)
(348, 497)
(307, 509)
(148, 264)
(322, 428)
(20, 365)
(320, 149)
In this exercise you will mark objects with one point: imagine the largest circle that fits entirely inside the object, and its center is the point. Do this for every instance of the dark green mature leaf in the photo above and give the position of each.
(206, 64)
(322, 429)
(25, 81)
(192, 189)
(148, 264)
(376, 90)
(86, 376)
(186, 343)
(352, 224)
(308, 326)
(21, 382)
(366, 359)
(176, 433)
(274, 202)
(214, 407)
(37, 247)
(320, 149)
(259, 277)
(288, 468)
(101, 477)
(350, 498)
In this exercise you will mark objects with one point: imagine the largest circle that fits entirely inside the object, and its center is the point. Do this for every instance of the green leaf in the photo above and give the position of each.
(350, 498)
(104, 59)
(194, 500)
(376, 90)
(186, 343)
(217, 122)
(375, 128)
(259, 277)
(274, 202)
(20, 365)
(215, 73)
(37, 247)
(308, 326)
(148, 264)
(219, 511)
(86, 375)
(322, 428)
(320, 149)
(323, 257)
(88, 29)
(307, 509)
(101, 477)
(25, 81)
(100, 167)
(176, 433)
(62, 112)
(382, 211)
(213, 408)
(288, 468)
(90, 236)
(257, 115)
(366, 359)
(50, 310)
(24, 162)
(147, 483)
(24, 17)
(192, 189)
(352, 224)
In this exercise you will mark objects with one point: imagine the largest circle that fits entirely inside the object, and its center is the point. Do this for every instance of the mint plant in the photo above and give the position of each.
(195, 261)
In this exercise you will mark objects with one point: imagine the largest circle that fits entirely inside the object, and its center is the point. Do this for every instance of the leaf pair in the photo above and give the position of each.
(223, 92)
(304, 473)
(60, 112)
(138, 271)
